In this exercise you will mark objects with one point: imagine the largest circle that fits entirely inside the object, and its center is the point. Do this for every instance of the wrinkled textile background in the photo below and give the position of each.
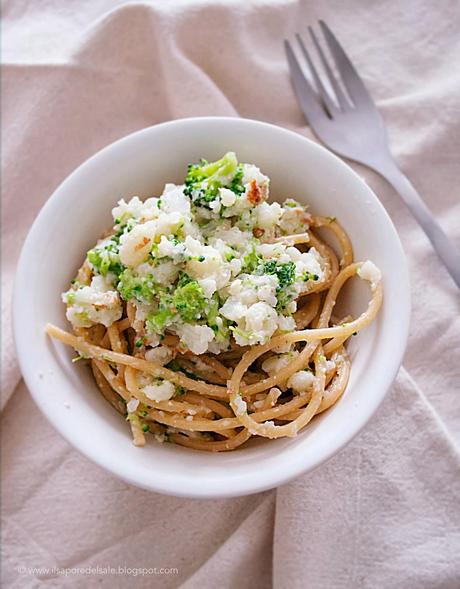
(384, 513)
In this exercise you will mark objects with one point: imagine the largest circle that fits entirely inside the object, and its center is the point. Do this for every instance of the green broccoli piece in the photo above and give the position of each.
(163, 316)
(212, 312)
(306, 276)
(213, 309)
(285, 272)
(214, 171)
(142, 288)
(236, 184)
(270, 267)
(184, 279)
(189, 300)
(251, 261)
(286, 276)
(213, 175)
(105, 259)
(284, 297)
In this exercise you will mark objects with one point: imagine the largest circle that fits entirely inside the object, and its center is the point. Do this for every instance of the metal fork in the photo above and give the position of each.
(348, 122)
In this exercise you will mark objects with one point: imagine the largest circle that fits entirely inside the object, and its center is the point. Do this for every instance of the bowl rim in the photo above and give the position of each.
(249, 485)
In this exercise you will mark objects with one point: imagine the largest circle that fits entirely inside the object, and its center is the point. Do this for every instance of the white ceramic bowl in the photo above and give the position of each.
(79, 212)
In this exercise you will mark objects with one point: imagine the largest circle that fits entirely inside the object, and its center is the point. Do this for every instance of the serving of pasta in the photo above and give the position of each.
(207, 316)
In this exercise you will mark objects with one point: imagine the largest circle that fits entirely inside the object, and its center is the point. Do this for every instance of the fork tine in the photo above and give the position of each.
(353, 83)
(341, 99)
(319, 85)
(306, 96)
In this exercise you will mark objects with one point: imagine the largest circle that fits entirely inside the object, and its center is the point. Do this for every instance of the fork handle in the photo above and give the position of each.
(446, 250)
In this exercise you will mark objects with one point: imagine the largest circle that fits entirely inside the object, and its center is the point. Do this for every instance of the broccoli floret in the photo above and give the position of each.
(163, 316)
(142, 288)
(284, 297)
(285, 272)
(212, 313)
(251, 261)
(286, 276)
(306, 276)
(213, 309)
(184, 279)
(270, 267)
(105, 259)
(189, 300)
(219, 170)
(236, 184)
(204, 179)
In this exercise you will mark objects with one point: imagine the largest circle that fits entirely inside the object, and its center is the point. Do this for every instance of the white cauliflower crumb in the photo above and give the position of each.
(277, 362)
(160, 355)
(196, 338)
(301, 381)
(369, 271)
(93, 304)
(241, 406)
(132, 405)
(160, 392)
(227, 197)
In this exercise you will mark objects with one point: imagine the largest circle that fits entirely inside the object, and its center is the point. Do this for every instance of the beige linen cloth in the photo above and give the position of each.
(384, 513)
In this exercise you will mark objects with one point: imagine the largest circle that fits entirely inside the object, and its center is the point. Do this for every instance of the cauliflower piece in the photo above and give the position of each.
(92, 304)
(301, 381)
(276, 363)
(162, 391)
(136, 209)
(173, 200)
(209, 286)
(286, 324)
(196, 338)
(136, 245)
(294, 219)
(160, 355)
(268, 215)
(261, 319)
(252, 172)
(165, 273)
(227, 197)
(206, 262)
(369, 271)
(252, 289)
